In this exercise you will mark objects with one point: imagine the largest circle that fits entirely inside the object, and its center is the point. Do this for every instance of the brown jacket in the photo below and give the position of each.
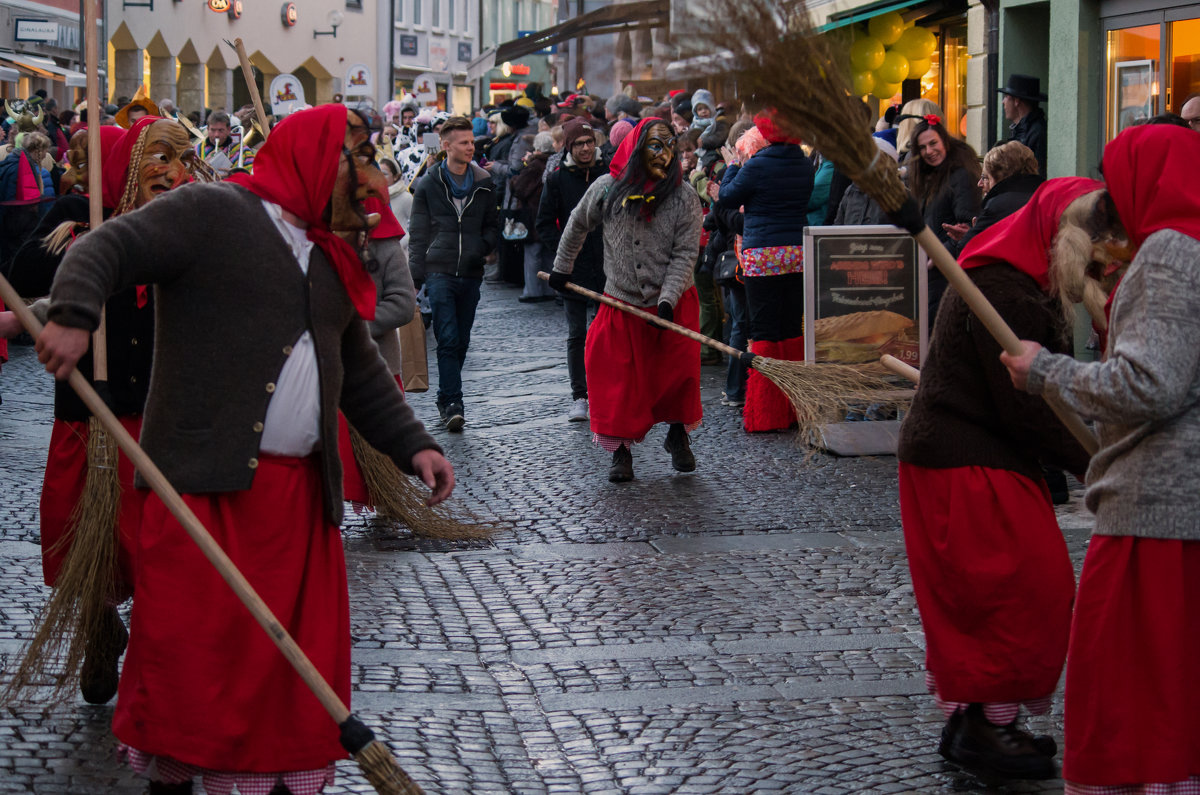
(226, 324)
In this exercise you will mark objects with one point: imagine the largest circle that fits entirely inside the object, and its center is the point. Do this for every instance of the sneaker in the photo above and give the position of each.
(1002, 751)
(579, 411)
(452, 417)
(679, 448)
(735, 402)
(621, 470)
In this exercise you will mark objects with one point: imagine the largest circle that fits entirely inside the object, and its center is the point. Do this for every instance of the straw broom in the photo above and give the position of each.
(398, 496)
(782, 62)
(373, 757)
(816, 391)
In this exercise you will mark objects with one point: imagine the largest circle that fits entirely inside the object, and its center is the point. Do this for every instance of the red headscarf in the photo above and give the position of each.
(628, 144)
(1023, 239)
(297, 169)
(116, 150)
(389, 225)
(1150, 171)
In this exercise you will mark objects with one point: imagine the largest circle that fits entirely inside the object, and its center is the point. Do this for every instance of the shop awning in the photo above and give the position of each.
(700, 66)
(614, 18)
(45, 67)
(867, 11)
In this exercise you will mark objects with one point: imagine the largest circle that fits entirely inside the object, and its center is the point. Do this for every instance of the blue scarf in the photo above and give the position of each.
(459, 191)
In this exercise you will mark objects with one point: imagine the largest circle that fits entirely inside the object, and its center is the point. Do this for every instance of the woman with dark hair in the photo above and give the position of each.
(638, 374)
(942, 175)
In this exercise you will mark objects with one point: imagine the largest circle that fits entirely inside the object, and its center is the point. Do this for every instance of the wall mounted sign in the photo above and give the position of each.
(42, 30)
(358, 81)
(286, 94)
(289, 15)
(409, 45)
(220, 6)
(235, 9)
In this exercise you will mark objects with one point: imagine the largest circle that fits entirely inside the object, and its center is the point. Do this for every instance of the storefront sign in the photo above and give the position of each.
(464, 52)
(358, 81)
(289, 15)
(235, 9)
(409, 45)
(864, 295)
(287, 95)
(219, 6)
(42, 30)
(425, 89)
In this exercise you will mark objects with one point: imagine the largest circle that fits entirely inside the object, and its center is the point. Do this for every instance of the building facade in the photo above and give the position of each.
(439, 39)
(41, 48)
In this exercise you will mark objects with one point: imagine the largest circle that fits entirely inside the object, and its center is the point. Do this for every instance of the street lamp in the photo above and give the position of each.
(334, 19)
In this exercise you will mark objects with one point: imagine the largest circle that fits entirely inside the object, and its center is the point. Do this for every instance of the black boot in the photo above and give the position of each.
(99, 675)
(621, 470)
(160, 788)
(1003, 751)
(679, 448)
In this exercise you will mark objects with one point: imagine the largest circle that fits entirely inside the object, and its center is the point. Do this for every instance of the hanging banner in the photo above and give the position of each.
(425, 89)
(287, 95)
(358, 81)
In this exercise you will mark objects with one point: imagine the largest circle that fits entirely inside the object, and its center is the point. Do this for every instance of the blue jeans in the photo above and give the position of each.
(739, 325)
(453, 300)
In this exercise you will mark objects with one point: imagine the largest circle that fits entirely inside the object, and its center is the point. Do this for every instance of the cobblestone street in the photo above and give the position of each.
(749, 627)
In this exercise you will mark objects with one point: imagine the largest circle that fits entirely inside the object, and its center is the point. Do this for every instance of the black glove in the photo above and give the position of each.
(908, 217)
(559, 280)
(666, 312)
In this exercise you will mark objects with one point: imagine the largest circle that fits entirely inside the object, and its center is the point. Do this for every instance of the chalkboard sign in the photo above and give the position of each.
(865, 295)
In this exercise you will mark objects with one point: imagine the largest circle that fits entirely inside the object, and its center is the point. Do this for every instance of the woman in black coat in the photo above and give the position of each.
(1010, 176)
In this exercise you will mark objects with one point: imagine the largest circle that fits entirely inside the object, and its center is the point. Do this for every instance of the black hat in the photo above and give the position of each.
(1024, 87)
(515, 117)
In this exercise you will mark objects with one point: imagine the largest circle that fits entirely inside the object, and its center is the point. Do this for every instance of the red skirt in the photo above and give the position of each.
(639, 375)
(992, 578)
(62, 486)
(354, 487)
(202, 683)
(1132, 697)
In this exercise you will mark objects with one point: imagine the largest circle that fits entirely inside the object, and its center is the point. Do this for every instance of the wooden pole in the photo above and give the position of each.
(900, 368)
(248, 73)
(91, 52)
(987, 314)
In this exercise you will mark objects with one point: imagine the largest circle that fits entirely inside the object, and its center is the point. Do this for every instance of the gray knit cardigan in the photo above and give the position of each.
(645, 263)
(1145, 396)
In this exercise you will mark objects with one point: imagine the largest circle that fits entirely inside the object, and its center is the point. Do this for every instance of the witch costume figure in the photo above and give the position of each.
(639, 375)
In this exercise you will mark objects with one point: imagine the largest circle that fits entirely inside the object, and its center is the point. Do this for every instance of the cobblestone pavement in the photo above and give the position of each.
(746, 628)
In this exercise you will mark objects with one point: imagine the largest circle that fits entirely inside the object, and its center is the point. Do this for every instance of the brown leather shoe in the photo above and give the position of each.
(680, 449)
(1002, 751)
(99, 676)
(621, 470)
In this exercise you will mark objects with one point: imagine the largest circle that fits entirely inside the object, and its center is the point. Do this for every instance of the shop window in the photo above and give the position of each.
(450, 12)
(1133, 80)
(417, 12)
(1185, 62)
(399, 8)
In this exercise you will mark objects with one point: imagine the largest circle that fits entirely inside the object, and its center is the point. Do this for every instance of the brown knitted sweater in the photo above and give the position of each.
(967, 412)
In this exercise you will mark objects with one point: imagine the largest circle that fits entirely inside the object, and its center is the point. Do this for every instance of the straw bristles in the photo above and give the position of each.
(80, 603)
(822, 392)
(383, 772)
(398, 496)
(782, 63)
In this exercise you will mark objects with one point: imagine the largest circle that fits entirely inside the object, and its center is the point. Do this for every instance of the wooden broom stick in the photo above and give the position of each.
(365, 744)
(900, 368)
(91, 53)
(248, 73)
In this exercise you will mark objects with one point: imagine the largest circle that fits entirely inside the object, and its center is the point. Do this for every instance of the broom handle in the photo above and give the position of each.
(166, 492)
(900, 368)
(655, 319)
(248, 73)
(91, 54)
(987, 314)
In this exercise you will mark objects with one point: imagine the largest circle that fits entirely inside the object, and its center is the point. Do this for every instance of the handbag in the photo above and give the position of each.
(414, 366)
(725, 274)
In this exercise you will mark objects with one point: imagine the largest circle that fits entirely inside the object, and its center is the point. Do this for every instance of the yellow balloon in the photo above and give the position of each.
(864, 83)
(886, 90)
(886, 27)
(893, 69)
(866, 54)
(916, 43)
(918, 67)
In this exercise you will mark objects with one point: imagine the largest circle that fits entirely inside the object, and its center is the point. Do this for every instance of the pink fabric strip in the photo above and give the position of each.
(220, 782)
